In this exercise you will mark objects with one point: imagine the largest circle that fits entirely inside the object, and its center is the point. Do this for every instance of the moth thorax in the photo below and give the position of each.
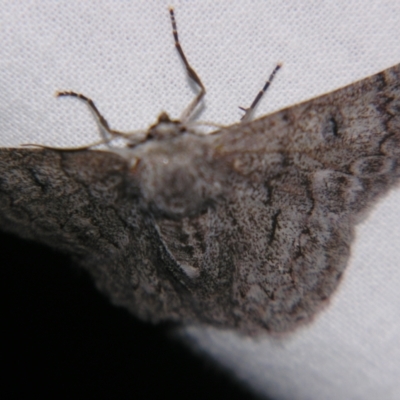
(176, 181)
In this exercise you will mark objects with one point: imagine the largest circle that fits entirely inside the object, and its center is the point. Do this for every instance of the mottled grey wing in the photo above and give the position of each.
(262, 250)
(80, 203)
(271, 252)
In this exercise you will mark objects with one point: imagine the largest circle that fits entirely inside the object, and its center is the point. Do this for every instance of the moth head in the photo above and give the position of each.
(165, 128)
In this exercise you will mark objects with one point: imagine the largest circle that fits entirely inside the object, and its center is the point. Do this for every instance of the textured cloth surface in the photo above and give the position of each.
(121, 54)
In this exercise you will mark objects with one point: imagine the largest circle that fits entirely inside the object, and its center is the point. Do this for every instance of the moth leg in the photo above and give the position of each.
(249, 111)
(106, 133)
(190, 71)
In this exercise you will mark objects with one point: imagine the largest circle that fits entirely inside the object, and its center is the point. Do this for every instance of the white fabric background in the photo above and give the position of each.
(121, 54)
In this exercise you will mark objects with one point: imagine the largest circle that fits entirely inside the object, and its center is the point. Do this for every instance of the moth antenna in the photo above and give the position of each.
(249, 111)
(189, 69)
(100, 120)
(106, 133)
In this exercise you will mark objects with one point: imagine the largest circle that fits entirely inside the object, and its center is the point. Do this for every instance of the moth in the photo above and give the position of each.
(247, 228)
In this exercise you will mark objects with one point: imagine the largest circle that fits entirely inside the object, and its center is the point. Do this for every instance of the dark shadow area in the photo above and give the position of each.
(62, 337)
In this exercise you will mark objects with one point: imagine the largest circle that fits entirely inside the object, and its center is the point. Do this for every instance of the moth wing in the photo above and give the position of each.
(299, 180)
(324, 163)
